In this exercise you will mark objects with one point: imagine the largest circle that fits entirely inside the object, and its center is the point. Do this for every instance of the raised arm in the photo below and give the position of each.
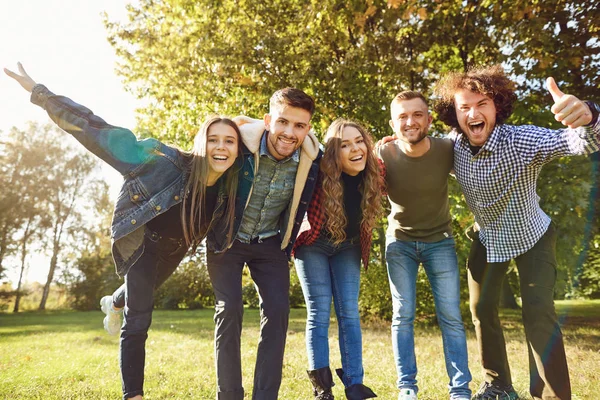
(116, 146)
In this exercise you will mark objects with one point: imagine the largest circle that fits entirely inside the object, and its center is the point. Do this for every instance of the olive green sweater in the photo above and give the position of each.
(418, 191)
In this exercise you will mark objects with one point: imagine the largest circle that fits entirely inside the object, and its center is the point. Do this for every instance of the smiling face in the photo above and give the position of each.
(353, 151)
(287, 126)
(410, 120)
(221, 149)
(476, 115)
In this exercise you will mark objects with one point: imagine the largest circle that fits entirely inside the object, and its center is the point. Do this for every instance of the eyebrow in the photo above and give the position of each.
(359, 136)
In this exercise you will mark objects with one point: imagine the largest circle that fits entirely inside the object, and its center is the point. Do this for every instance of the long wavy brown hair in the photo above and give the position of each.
(489, 81)
(195, 188)
(333, 189)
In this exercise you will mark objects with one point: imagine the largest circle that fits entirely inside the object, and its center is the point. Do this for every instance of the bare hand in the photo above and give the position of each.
(384, 140)
(24, 80)
(568, 109)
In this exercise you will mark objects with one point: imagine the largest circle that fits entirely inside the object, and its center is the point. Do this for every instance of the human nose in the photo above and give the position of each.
(472, 112)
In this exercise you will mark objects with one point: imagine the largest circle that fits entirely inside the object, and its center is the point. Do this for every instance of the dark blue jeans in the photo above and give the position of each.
(269, 269)
(160, 258)
(327, 271)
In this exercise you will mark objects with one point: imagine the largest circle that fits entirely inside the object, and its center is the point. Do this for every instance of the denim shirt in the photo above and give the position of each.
(154, 174)
(273, 188)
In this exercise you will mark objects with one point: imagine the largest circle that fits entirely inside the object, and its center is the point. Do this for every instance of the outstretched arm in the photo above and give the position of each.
(116, 146)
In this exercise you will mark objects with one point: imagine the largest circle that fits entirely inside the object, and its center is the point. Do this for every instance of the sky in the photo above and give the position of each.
(62, 44)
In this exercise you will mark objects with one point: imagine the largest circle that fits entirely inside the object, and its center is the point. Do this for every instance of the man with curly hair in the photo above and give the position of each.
(420, 231)
(497, 166)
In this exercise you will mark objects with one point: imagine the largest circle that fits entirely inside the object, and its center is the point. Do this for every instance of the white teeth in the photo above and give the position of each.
(220, 158)
(356, 158)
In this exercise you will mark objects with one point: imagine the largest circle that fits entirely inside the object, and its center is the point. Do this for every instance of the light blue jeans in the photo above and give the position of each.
(441, 266)
(327, 271)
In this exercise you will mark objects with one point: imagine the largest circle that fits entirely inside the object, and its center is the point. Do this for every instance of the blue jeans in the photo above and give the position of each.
(160, 258)
(441, 266)
(327, 271)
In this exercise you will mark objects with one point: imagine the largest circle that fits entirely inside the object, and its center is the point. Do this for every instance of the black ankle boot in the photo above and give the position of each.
(358, 391)
(322, 382)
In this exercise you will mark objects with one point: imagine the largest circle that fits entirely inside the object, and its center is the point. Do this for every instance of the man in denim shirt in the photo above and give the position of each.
(275, 184)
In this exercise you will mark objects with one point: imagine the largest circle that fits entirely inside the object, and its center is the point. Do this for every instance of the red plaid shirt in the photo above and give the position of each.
(315, 220)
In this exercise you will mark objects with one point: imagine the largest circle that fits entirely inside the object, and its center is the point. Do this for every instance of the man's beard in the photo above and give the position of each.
(419, 139)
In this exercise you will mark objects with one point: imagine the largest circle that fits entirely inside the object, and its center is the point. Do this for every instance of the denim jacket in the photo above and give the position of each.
(154, 174)
(304, 185)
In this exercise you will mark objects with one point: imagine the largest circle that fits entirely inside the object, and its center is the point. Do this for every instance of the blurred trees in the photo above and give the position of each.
(45, 185)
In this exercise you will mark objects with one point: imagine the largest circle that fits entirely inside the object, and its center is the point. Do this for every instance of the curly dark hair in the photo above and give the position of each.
(490, 81)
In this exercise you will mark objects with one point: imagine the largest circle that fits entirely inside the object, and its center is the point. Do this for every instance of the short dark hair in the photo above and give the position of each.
(294, 98)
(409, 95)
(489, 81)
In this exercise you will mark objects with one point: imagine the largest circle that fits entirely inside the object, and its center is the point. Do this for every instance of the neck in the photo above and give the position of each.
(212, 178)
(415, 149)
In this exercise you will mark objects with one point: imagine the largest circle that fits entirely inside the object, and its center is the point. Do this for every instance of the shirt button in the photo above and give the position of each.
(157, 208)
(176, 198)
(133, 222)
(135, 197)
(246, 173)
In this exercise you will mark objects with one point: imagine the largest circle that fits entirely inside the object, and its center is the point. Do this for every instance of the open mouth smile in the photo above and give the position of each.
(477, 126)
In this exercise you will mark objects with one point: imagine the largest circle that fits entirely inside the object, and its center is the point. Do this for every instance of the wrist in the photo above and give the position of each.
(595, 110)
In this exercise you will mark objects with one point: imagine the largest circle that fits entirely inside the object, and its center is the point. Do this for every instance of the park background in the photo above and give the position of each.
(160, 67)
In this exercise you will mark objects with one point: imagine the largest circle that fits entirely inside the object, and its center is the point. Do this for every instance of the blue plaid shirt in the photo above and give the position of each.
(499, 182)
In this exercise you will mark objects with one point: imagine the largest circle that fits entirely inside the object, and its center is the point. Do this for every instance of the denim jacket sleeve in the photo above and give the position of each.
(116, 146)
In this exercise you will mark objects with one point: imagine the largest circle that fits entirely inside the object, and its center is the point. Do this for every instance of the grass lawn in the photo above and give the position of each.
(67, 355)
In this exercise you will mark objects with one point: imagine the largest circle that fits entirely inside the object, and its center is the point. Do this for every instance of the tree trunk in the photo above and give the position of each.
(26, 236)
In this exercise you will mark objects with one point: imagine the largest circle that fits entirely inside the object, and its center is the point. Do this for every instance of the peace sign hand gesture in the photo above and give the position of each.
(23, 78)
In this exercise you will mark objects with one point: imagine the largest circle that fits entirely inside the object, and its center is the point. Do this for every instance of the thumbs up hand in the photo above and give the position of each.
(568, 109)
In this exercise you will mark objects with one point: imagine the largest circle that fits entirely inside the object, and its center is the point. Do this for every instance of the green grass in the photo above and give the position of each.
(67, 355)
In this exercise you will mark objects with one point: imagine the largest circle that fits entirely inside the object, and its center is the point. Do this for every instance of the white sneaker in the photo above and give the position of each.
(112, 321)
(407, 394)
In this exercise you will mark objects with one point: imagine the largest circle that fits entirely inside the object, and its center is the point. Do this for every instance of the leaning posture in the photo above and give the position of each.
(166, 205)
(497, 166)
(333, 239)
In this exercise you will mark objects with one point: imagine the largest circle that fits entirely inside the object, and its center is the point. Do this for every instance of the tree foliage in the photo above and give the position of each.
(46, 180)
(192, 58)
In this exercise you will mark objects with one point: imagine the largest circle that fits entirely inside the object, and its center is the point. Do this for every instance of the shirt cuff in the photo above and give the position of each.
(40, 95)
(595, 109)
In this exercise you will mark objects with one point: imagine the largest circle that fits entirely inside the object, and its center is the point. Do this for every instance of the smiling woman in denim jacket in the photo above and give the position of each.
(333, 239)
(167, 203)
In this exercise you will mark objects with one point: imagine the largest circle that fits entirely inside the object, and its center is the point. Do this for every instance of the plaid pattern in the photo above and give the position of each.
(315, 220)
(499, 182)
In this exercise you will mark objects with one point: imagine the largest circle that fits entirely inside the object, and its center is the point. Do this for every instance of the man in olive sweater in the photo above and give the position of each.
(419, 232)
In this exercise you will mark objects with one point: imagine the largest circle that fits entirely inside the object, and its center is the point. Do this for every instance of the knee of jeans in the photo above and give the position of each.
(229, 309)
(276, 309)
(484, 310)
(136, 322)
(538, 308)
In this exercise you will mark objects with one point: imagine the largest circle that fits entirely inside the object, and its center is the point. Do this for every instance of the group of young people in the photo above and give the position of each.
(260, 191)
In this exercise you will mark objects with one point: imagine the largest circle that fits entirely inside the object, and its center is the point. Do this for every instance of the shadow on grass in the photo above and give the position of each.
(188, 322)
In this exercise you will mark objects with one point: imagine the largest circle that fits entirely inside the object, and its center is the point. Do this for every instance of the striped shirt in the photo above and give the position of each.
(499, 182)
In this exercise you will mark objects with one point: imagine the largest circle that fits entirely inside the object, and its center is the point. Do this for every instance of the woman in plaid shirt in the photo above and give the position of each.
(329, 250)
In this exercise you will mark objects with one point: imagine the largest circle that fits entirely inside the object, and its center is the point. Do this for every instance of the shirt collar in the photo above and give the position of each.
(490, 144)
(264, 150)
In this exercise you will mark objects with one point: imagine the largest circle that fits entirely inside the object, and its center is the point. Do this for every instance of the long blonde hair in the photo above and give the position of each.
(333, 190)
(195, 187)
